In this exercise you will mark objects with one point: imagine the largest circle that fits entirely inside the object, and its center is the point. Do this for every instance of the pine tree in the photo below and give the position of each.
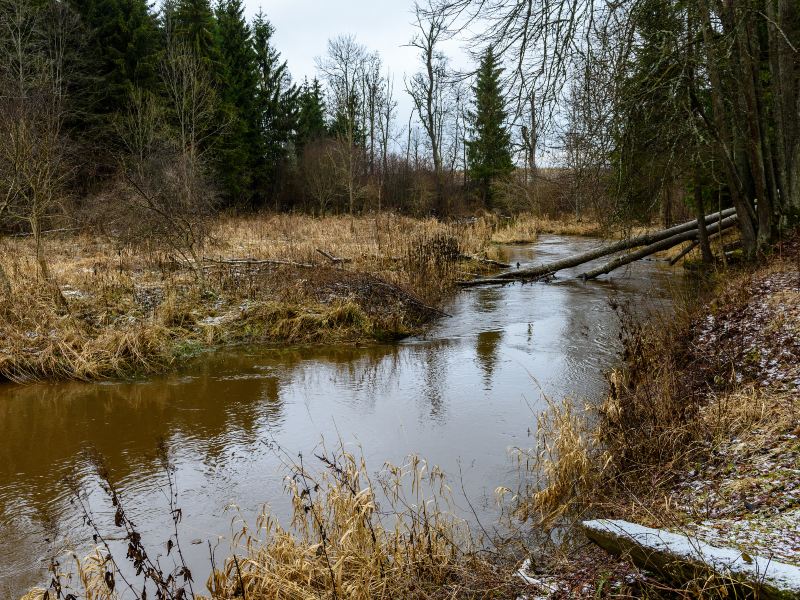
(489, 151)
(237, 149)
(311, 114)
(276, 106)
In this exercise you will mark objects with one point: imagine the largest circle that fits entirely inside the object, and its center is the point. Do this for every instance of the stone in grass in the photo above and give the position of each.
(682, 558)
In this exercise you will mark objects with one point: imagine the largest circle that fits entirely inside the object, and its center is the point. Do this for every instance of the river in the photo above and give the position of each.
(462, 396)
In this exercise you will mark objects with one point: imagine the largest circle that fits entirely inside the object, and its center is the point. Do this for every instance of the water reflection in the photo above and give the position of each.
(487, 349)
(460, 396)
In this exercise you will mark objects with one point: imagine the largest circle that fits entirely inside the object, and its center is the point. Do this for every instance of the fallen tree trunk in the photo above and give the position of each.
(533, 273)
(691, 247)
(682, 559)
(657, 247)
(684, 252)
(246, 262)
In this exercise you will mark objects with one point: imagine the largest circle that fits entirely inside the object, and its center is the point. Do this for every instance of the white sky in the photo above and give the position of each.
(303, 27)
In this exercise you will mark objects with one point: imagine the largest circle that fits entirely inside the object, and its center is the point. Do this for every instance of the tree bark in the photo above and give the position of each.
(702, 232)
(664, 244)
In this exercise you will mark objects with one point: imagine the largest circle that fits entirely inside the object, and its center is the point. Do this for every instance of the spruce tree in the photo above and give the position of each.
(237, 149)
(192, 22)
(276, 105)
(311, 114)
(489, 150)
(122, 51)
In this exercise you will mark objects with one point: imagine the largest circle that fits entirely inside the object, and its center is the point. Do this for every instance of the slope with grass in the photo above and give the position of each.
(699, 435)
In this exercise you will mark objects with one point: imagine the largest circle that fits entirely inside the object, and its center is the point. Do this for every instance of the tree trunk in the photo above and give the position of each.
(753, 134)
(783, 26)
(665, 244)
(666, 207)
(702, 232)
(722, 132)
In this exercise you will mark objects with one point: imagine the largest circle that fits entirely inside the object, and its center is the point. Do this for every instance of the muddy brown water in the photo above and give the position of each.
(462, 396)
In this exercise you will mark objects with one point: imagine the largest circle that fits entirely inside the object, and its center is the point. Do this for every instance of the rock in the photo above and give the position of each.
(683, 558)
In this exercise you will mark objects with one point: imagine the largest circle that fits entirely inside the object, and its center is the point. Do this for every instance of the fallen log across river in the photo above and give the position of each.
(652, 242)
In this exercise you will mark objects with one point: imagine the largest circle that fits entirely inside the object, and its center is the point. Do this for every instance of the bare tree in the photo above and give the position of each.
(319, 172)
(165, 160)
(34, 169)
(428, 89)
(372, 88)
(343, 69)
(386, 116)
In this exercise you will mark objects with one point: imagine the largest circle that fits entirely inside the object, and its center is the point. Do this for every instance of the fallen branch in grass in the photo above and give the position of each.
(253, 261)
(486, 261)
(334, 259)
(60, 230)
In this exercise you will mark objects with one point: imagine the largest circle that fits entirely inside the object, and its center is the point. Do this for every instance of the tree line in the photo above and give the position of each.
(191, 109)
(145, 117)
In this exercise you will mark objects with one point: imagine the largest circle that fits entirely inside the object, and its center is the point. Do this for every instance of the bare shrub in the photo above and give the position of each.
(167, 197)
(34, 165)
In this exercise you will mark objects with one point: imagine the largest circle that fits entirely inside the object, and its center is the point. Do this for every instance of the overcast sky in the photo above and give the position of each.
(303, 27)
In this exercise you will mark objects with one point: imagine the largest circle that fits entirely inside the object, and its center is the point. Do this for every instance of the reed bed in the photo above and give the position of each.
(525, 228)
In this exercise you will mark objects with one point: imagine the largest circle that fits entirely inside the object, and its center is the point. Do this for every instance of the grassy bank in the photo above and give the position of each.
(131, 309)
(126, 309)
(699, 435)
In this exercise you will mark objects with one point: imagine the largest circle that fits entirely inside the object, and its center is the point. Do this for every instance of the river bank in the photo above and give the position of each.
(699, 436)
(134, 309)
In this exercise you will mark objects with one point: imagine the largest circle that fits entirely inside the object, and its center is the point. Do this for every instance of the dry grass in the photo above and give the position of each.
(353, 535)
(525, 228)
(134, 309)
(691, 437)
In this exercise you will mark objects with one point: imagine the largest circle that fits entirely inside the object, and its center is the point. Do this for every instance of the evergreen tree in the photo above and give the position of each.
(489, 153)
(237, 149)
(276, 106)
(192, 22)
(122, 53)
(311, 114)
(653, 127)
(349, 114)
